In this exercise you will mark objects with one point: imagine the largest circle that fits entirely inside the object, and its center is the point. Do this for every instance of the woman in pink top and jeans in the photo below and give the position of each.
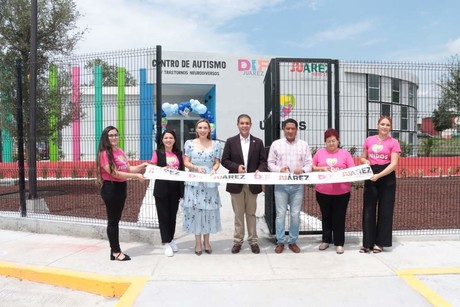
(332, 198)
(113, 170)
(381, 152)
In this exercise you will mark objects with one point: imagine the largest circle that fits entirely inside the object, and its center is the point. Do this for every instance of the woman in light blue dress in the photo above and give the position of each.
(201, 200)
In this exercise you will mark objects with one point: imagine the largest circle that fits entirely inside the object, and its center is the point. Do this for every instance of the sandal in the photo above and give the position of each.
(364, 250)
(377, 249)
(120, 257)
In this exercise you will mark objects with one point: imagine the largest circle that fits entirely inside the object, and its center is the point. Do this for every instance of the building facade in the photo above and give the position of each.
(219, 87)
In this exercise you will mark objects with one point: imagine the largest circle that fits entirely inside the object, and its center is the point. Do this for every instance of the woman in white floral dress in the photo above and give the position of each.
(201, 200)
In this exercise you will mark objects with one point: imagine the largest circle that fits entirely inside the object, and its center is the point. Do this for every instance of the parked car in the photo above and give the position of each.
(423, 135)
(43, 151)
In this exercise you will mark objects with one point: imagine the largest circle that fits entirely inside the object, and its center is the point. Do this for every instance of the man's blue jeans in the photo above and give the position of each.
(285, 195)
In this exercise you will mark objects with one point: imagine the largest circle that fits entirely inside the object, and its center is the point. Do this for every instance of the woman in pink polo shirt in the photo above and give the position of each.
(113, 170)
(332, 198)
(381, 152)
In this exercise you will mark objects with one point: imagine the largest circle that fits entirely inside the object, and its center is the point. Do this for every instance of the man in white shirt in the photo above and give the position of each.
(289, 155)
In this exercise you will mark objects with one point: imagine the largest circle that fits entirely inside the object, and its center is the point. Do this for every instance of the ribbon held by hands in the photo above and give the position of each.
(356, 173)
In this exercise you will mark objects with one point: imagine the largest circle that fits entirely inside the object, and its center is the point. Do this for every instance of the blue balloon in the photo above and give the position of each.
(174, 109)
(166, 107)
(200, 109)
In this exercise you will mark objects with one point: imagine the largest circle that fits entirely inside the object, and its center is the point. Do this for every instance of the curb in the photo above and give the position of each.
(126, 288)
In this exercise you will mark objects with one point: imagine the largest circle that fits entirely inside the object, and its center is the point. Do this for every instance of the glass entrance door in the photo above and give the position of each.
(189, 129)
(184, 129)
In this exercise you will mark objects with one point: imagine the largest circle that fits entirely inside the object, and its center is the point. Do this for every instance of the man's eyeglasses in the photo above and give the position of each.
(113, 135)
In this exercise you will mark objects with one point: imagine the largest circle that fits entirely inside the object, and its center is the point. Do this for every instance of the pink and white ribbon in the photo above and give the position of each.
(356, 173)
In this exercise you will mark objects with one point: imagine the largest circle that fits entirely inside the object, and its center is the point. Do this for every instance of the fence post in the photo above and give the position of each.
(20, 123)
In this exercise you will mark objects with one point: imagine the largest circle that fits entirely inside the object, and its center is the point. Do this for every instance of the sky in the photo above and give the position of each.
(363, 30)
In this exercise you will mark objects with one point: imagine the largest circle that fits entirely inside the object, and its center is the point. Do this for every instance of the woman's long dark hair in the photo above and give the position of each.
(104, 145)
(175, 148)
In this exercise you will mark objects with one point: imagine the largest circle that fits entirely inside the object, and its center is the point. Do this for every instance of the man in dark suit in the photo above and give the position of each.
(244, 153)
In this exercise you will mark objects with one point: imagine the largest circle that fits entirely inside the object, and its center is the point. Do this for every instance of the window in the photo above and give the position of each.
(404, 119)
(412, 91)
(373, 87)
(395, 90)
(372, 132)
(385, 109)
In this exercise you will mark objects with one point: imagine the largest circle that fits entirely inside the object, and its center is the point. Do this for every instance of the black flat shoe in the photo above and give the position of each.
(118, 257)
(198, 253)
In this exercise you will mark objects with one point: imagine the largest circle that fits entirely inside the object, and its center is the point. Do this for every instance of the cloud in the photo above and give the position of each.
(372, 42)
(436, 53)
(342, 33)
(213, 12)
(313, 4)
(453, 46)
(179, 25)
(339, 33)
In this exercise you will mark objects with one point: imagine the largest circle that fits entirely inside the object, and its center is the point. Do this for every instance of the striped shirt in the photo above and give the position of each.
(294, 155)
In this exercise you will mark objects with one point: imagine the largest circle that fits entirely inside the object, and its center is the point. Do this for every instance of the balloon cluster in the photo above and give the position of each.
(184, 108)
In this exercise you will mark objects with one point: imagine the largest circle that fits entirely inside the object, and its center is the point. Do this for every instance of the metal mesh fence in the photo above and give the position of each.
(429, 168)
(114, 88)
(117, 88)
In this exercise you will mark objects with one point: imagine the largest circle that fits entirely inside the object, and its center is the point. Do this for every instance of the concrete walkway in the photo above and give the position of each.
(417, 271)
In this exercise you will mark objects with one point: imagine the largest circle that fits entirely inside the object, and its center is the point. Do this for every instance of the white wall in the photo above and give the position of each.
(242, 91)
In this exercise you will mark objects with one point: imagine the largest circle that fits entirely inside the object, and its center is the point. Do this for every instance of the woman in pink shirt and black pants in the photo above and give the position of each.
(381, 152)
(332, 198)
(113, 170)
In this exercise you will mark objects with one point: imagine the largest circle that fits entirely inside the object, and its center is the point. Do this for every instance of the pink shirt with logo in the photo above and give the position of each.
(380, 154)
(121, 164)
(338, 160)
(171, 159)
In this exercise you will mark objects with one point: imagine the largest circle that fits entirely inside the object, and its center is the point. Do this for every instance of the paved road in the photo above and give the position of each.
(417, 271)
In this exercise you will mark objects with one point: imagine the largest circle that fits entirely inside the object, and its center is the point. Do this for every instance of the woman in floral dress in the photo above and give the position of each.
(201, 200)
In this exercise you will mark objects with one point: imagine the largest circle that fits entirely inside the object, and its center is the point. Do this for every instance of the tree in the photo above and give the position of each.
(427, 147)
(449, 103)
(57, 35)
(442, 118)
(109, 73)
